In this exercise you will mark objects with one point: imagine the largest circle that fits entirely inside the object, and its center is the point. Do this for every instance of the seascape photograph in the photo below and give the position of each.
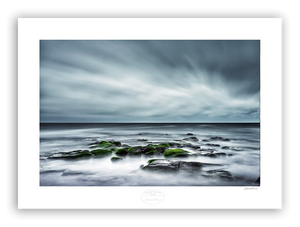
(150, 113)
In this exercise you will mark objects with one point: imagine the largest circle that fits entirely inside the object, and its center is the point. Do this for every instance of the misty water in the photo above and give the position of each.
(242, 159)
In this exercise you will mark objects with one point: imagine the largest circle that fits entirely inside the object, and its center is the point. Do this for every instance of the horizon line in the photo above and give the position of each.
(145, 122)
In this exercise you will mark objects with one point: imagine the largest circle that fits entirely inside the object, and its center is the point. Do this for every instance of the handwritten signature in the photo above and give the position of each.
(250, 188)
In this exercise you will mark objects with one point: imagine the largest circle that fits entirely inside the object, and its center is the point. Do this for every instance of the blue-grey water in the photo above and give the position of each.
(242, 159)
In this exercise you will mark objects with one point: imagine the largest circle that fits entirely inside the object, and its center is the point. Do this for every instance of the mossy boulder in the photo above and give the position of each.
(152, 160)
(114, 159)
(157, 148)
(116, 143)
(101, 152)
(105, 144)
(122, 152)
(171, 153)
(102, 144)
(166, 145)
(150, 150)
(113, 149)
(137, 150)
(72, 155)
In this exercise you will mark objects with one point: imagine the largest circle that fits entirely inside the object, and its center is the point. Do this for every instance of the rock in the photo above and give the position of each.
(150, 150)
(219, 174)
(219, 154)
(207, 149)
(142, 140)
(171, 153)
(161, 165)
(101, 152)
(172, 144)
(114, 149)
(47, 169)
(137, 150)
(102, 144)
(153, 160)
(116, 143)
(216, 138)
(192, 139)
(69, 172)
(114, 159)
(211, 155)
(195, 147)
(156, 148)
(219, 138)
(210, 144)
(71, 154)
(189, 134)
(214, 154)
(225, 147)
(229, 154)
(122, 152)
(164, 165)
(191, 166)
(205, 140)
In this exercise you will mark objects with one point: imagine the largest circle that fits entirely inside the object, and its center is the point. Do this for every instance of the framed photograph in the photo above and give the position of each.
(149, 113)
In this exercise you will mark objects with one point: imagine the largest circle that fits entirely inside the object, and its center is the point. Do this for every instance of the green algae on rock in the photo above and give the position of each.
(152, 160)
(122, 151)
(136, 150)
(113, 159)
(156, 148)
(150, 150)
(166, 145)
(170, 153)
(117, 143)
(101, 152)
(105, 144)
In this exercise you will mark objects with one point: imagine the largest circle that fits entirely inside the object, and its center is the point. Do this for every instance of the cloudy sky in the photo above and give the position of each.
(149, 81)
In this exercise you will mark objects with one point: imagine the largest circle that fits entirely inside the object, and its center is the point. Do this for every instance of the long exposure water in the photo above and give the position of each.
(242, 157)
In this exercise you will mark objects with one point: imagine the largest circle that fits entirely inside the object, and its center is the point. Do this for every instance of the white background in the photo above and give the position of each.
(31, 30)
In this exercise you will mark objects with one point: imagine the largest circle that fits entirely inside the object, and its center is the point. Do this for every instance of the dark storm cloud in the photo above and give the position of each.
(149, 81)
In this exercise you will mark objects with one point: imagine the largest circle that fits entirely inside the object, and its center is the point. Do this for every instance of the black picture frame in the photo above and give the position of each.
(143, 216)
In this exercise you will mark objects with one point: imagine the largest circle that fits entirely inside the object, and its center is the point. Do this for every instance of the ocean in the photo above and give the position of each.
(230, 153)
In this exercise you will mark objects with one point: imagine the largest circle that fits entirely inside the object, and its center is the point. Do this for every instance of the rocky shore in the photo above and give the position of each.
(164, 157)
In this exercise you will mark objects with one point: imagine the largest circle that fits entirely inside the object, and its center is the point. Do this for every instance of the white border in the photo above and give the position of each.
(32, 196)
